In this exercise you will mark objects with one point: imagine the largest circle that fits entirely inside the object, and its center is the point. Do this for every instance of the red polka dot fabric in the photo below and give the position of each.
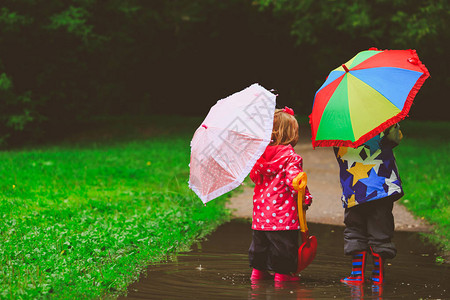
(274, 197)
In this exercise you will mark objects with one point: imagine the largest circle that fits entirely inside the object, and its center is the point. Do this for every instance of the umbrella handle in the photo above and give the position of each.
(299, 184)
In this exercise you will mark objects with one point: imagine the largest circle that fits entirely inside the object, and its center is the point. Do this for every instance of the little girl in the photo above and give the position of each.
(275, 223)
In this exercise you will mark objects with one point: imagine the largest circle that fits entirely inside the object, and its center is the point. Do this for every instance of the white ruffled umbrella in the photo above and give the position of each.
(230, 140)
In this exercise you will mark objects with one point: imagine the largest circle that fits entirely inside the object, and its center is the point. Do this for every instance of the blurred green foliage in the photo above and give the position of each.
(74, 20)
(66, 62)
(340, 29)
(17, 110)
(399, 22)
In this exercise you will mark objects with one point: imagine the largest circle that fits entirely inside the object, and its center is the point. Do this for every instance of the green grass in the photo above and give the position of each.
(423, 162)
(83, 221)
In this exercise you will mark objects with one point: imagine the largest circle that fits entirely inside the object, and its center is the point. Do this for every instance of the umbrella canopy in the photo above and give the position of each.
(364, 96)
(230, 140)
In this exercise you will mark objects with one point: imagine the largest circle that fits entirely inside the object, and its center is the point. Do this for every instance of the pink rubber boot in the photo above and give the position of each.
(259, 275)
(285, 277)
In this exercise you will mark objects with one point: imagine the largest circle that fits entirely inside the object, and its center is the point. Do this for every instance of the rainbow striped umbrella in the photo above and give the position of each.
(364, 96)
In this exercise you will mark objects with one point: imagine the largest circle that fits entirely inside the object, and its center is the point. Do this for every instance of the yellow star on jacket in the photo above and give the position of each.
(359, 171)
(351, 201)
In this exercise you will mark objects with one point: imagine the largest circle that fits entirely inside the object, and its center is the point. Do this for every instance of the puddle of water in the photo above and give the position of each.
(218, 269)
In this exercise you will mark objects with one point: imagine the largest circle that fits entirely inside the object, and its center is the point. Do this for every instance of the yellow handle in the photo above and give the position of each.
(299, 184)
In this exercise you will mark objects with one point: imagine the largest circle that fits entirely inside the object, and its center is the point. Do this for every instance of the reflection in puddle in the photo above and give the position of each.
(218, 269)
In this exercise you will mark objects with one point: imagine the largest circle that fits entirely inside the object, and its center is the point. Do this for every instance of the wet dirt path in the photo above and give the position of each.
(218, 269)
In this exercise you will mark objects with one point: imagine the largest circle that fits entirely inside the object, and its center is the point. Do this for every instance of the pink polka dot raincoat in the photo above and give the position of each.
(274, 197)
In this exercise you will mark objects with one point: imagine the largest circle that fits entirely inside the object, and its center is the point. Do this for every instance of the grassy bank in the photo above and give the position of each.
(82, 221)
(423, 161)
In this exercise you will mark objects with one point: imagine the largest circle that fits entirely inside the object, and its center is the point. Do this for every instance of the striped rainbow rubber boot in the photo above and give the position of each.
(358, 266)
(378, 268)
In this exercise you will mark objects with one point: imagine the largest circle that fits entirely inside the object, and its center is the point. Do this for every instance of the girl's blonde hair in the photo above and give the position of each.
(285, 129)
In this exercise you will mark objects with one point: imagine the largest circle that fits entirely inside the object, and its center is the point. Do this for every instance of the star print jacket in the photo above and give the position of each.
(274, 197)
(369, 172)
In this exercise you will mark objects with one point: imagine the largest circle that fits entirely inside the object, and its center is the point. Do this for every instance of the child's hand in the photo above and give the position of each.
(394, 135)
(308, 199)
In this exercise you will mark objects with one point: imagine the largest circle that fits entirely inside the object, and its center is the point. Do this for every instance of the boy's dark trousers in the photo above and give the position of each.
(274, 250)
(371, 224)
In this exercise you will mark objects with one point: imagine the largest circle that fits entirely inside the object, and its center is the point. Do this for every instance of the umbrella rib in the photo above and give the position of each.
(240, 133)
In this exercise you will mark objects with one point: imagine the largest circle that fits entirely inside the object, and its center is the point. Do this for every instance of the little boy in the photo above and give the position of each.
(370, 184)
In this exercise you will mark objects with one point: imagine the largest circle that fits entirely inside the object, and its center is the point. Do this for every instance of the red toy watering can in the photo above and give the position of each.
(308, 248)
